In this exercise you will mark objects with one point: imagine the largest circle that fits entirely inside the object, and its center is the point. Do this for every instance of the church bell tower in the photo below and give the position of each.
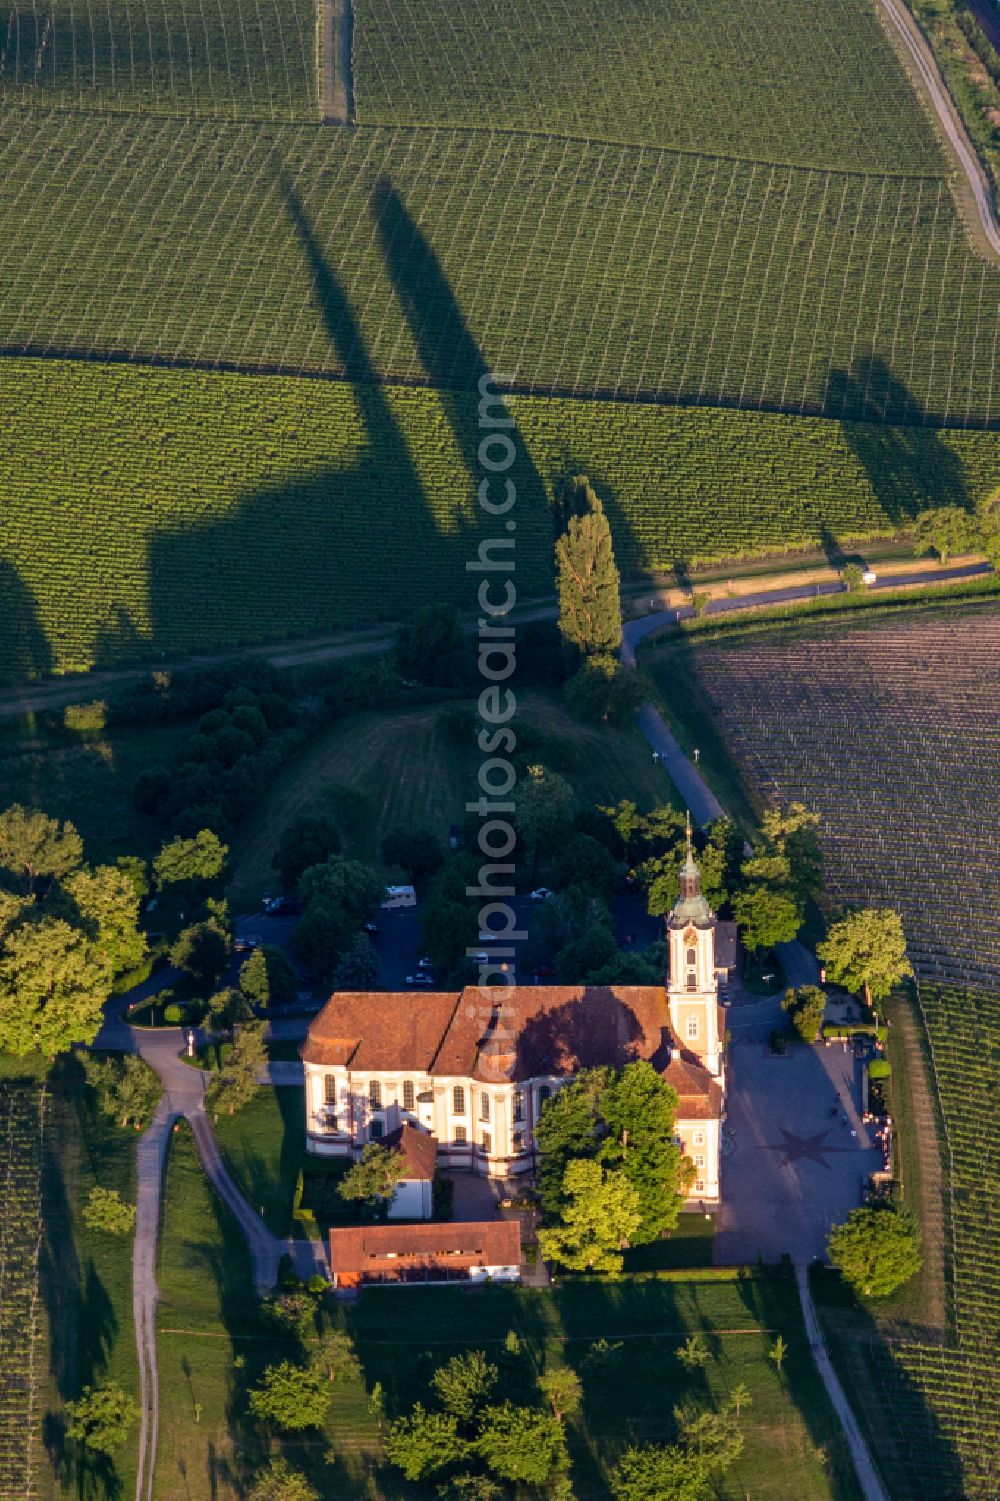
(693, 987)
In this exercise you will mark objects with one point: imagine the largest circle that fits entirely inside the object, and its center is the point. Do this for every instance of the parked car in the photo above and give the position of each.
(541, 894)
(425, 964)
(371, 928)
(421, 980)
(399, 896)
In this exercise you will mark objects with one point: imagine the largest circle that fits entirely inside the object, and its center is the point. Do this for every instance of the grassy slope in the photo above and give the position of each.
(264, 1148)
(278, 507)
(630, 1390)
(88, 781)
(398, 768)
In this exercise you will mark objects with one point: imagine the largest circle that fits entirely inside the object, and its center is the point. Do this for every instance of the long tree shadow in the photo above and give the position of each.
(902, 1431)
(24, 648)
(371, 535)
(908, 467)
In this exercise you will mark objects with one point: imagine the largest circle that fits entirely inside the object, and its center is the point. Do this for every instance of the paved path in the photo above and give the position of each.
(868, 1476)
(913, 40)
(697, 795)
(183, 1096)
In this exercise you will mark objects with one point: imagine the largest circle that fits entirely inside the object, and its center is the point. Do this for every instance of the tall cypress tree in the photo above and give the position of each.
(590, 610)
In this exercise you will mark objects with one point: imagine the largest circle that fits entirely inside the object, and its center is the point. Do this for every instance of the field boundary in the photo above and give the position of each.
(502, 132)
(595, 396)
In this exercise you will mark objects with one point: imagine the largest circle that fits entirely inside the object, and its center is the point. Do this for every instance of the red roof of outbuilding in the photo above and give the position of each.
(371, 1248)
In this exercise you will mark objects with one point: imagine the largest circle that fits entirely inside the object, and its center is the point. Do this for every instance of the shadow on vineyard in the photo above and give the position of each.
(319, 548)
(908, 467)
(26, 652)
(81, 1319)
(915, 1455)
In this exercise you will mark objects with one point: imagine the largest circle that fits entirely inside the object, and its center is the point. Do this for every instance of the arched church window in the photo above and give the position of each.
(692, 956)
(692, 980)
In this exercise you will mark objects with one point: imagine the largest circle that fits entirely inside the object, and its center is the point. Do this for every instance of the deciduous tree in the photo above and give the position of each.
(600, 1216)
(876, 1249)
(465, 1384)
(54, 982)
(37, 849)
(279, 1482)
(866, 950)
(945, 530)
(267, 978)
(106, 1210)
(373, 1178)
(101, 1417)
(424, 1442)
(805, 1007)
(522, 1445)
(307, 840)
(291, 1397)
(190, 862)
(766, 915)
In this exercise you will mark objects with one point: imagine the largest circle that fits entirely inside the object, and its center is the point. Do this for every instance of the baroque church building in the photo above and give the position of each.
(473, 1068)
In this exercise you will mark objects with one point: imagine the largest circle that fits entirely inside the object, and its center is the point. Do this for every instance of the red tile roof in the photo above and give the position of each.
(418, 1147)
(380, 1029)
(505, 1034)
(381, 1248)
(527, 1031)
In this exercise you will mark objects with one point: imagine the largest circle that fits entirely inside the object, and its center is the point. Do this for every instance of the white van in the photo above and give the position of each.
(399, 896)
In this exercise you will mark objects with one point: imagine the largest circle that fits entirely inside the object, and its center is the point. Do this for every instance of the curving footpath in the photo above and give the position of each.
(913, 40)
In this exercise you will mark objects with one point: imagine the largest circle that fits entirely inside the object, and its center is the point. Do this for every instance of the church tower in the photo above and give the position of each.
(693, 987)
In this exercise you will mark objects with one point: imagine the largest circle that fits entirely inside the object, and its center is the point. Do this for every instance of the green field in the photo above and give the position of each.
(279, 507)
(423, 255)
(400, 768)
(888, 728)
(176, 58)
(675, 74)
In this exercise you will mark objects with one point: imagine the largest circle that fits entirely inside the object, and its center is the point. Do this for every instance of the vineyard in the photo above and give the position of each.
(418, 255)
(178, 57)
(812, 84)
(151, 510)
(891, 732)
(22, 1117)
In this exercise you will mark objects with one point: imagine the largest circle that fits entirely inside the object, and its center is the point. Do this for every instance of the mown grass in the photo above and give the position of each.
(264, 1149)
(402, 768)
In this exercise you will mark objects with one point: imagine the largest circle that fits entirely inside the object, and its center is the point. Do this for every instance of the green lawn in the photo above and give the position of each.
(264, 1149)
(621, 1337)
(632, 1382)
